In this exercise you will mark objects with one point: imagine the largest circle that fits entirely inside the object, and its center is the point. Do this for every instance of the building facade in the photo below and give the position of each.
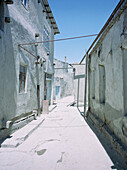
(79, 84)
(107, 81)
(24, 69)
(63, 79)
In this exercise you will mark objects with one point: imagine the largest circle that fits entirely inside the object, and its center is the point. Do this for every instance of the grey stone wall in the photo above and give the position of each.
(79, 84)
(108, 77)
(25, 22)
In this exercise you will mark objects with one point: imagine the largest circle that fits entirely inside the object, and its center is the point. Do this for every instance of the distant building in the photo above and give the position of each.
(63, 79)
(107, 81)
(79, 83)
(26, 71)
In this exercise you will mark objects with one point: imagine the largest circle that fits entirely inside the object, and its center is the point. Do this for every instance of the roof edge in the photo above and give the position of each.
(105, 27)
(50, 16)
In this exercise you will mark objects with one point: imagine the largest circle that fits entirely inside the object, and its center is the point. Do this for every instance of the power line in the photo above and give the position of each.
(64, 39)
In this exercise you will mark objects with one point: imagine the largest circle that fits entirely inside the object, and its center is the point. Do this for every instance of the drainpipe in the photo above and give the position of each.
(73, 75)
(52, 88)
(89, 60)
(85, 92)
(37, 78)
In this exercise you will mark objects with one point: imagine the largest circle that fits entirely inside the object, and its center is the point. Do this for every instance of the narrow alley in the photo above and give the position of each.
(64, 141)
(63, 98)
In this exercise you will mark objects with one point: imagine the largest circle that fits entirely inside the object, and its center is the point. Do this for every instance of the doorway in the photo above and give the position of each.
(57, 92)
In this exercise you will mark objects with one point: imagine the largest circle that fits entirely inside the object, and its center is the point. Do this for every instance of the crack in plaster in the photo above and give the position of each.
(61, 159)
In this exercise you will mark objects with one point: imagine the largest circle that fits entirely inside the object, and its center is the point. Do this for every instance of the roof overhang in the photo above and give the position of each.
(50, 16)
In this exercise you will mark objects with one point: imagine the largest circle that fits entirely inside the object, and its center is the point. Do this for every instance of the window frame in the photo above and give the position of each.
(25, 3)
(22, 78)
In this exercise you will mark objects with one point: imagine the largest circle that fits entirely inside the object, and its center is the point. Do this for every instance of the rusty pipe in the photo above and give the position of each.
(27, 51)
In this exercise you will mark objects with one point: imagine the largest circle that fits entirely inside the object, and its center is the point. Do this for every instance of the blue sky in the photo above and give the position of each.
(77, 18)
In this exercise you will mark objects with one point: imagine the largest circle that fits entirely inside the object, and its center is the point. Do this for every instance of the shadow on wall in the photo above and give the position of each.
(8, 80)
(119, 162)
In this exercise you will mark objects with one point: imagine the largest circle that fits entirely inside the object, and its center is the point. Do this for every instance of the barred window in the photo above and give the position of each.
(22, 79)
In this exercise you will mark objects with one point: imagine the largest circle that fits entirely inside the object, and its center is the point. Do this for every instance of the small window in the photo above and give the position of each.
(22, 79)
(93, 84)
(25, 3)
(102, 84)
(46, 38)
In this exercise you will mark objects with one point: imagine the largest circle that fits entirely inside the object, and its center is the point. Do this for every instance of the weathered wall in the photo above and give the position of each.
(8, 79)
(63, 78)
(22, 28)
(110, 55)
(79, 84)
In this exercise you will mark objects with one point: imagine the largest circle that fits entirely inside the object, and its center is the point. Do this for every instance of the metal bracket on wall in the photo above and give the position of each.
(27, 51)
(41, 42)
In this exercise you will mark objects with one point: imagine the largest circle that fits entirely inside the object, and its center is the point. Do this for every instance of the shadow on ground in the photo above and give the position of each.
(119, 162)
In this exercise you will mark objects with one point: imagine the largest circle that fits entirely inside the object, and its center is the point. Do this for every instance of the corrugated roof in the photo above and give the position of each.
(50, 16)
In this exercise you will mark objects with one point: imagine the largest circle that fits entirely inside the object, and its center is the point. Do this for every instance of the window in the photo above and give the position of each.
(22, 79)
(102, 84)
(1, 15)
(25, 3)
(93, 84)
(46, 38)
